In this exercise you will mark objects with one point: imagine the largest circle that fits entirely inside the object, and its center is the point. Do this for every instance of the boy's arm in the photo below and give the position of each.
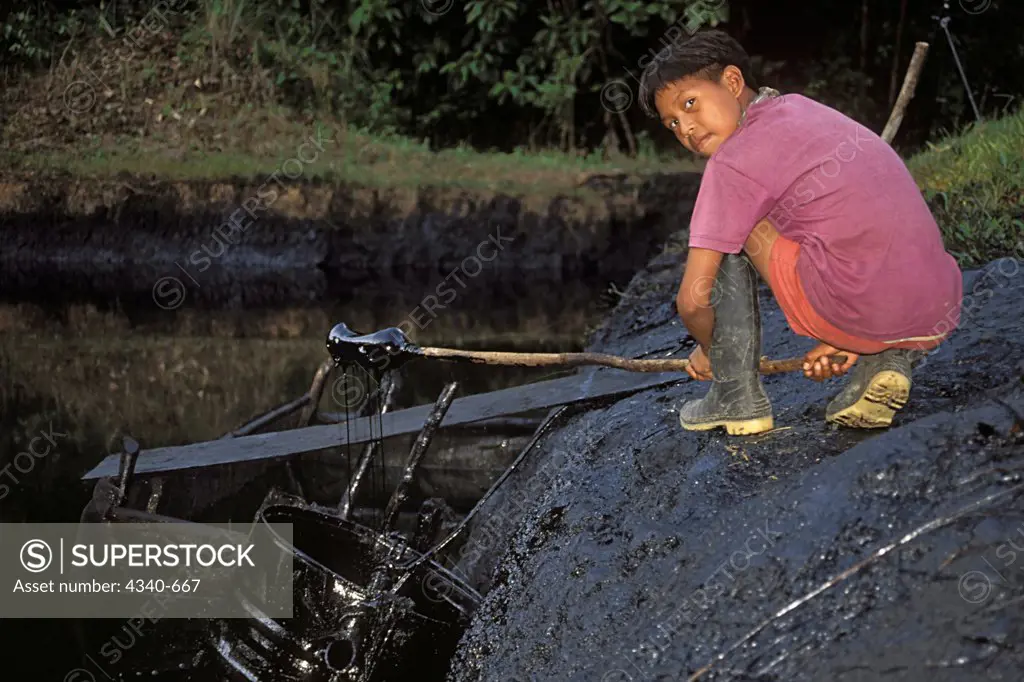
(694, 298)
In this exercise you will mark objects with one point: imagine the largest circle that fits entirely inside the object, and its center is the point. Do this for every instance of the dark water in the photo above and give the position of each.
(91, 356)
(102, 355)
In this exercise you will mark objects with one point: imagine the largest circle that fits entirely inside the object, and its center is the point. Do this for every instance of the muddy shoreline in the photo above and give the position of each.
(628, 549)
(77, 225)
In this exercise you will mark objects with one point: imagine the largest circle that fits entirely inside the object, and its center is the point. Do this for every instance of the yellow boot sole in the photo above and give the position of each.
(744, 427)
(887, 392)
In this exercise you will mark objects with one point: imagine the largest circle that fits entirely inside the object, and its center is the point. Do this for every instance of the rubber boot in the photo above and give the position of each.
(737, 399)
(878, 387)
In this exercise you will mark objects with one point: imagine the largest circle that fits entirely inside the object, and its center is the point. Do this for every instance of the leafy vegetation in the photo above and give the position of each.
(495, 95)
(30, 34)
(505, 73)
(974, 183)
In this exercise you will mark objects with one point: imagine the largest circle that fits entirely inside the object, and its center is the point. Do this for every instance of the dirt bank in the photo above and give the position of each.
(631, 550)
(612, 223)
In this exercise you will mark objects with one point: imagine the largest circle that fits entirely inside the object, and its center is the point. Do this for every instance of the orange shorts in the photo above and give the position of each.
(805, 320)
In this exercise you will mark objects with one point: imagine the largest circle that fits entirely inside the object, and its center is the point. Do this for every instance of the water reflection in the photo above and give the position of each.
(107, 360)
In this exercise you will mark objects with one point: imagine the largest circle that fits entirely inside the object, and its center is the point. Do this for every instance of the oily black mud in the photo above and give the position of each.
(64, 234)
(628, 549)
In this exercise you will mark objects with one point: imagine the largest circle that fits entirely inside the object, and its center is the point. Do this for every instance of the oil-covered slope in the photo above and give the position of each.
(628, 549)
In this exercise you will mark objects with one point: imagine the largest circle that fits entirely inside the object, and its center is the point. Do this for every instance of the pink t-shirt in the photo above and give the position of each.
(872, 261)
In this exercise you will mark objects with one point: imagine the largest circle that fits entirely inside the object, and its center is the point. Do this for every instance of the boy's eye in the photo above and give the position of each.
(689, 102)
(673, 124)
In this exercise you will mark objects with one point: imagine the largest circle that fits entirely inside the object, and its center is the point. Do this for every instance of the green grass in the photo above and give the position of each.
(974, 183)
(349, 157)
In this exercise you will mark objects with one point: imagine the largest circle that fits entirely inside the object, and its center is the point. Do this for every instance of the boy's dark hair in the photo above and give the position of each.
(704, 55)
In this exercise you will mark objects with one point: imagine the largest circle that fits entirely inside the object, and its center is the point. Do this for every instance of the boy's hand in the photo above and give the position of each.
(700, 365)
(819, 366)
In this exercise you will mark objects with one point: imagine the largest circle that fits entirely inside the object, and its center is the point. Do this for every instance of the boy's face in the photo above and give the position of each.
(700, 113)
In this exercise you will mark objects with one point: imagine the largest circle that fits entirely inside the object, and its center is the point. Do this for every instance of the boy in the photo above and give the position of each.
(827, 213)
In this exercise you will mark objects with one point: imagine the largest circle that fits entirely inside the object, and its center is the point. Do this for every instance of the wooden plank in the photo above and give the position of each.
(544, 394)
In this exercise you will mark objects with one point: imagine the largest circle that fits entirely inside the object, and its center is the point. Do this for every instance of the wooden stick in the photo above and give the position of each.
(580, 359)
(273, 415)
(345, 506)
(906, 93)
(316, 391)
(416, 454)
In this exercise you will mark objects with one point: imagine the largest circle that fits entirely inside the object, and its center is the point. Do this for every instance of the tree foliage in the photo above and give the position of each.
(511, 73)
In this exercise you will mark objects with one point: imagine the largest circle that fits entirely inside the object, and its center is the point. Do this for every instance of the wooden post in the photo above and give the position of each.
(906, 93)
